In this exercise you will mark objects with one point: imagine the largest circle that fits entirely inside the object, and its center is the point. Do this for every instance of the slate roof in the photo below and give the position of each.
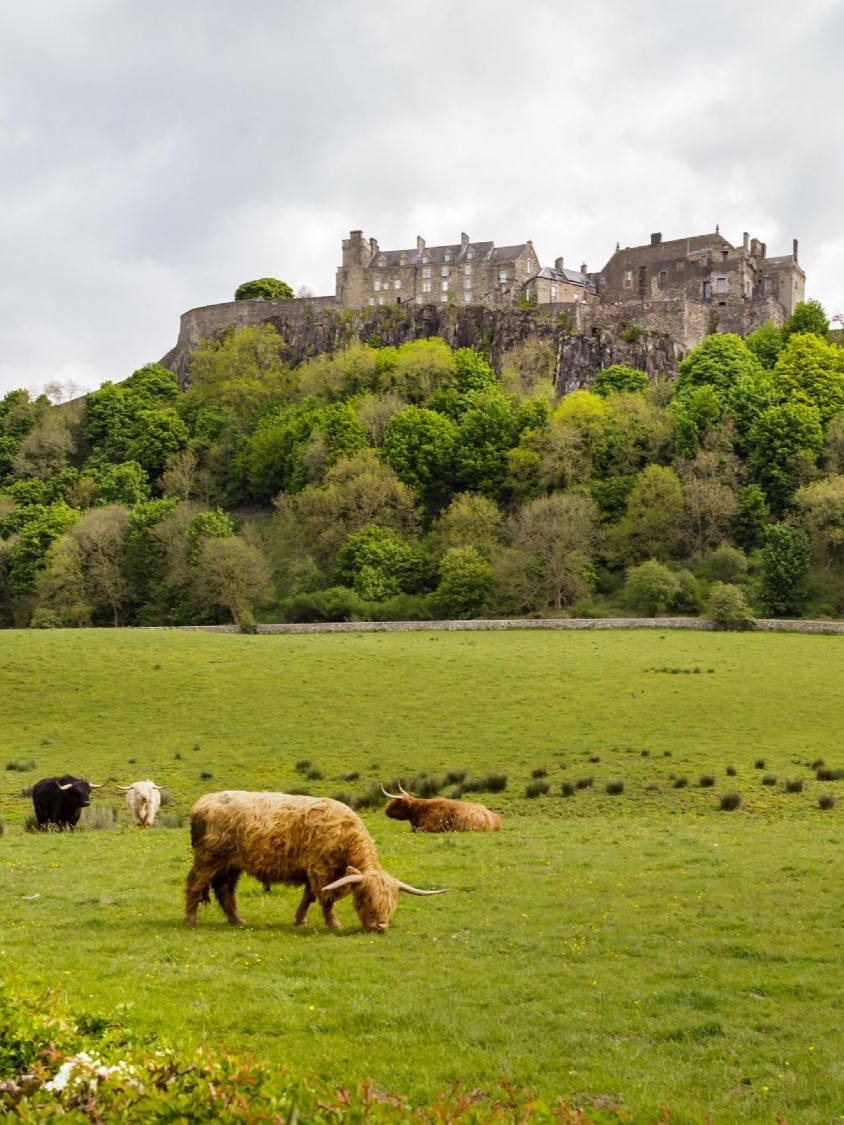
(437, 254)
(574, 277)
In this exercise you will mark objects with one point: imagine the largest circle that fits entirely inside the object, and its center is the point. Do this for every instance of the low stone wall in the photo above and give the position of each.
(765, 625)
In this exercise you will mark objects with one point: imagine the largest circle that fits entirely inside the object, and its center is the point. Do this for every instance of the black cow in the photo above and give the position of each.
(59, 801)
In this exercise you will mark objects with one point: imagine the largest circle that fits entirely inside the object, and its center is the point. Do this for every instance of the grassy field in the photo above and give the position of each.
(643, 946)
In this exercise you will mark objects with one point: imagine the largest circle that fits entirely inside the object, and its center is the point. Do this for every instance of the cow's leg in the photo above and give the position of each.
(331, 919)
(224, 887)
(196, 891)
(308, 897)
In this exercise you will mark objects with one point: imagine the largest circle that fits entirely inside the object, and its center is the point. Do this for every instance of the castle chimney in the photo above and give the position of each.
(558, 264)
(794, 250)
(746, 240)
(764, 249)
(464, 240)
(420, 243)
(373, 247)
(583, 267)
(656, 238)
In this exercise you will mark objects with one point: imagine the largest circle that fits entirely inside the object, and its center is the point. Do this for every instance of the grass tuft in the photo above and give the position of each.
(584, 783)
(614, 787)
(769, 779)
(567, 789)
(21, 766)
(759, 764)
(540, 771)
(537, 788)
(729, 802)
(731, 771)
(793, 785)
(706, 780)
(826, 801)
(681, 782)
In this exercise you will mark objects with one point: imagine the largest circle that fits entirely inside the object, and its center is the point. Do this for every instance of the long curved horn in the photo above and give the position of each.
(158, 787)
(346, 881)
(68, 786)
(403, 791)
(102, 783)
(393, 796)
(125, 788)
(406, 887)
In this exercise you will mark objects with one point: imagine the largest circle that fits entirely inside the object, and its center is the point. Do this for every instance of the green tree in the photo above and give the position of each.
(485, 435)
(422, 367)
(784, 442)
(231, 575)
(60, 585)
(124, 483)
(695, 409)
(750, 522)
(651, 588)
(808, 316)
(651, 526)
(766, 343)
(263, 289)
(728, 609)
(43, 526)
(619, 378)
(558, 537)
(809, 370)
(207, 525)
(717, 362)
(819, 511)
(419, 447)
(469, 521)
(378, 564)
(784, 570)
(102, 537)
(466, 584)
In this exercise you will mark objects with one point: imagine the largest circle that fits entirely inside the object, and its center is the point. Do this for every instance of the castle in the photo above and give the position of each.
(685, 287)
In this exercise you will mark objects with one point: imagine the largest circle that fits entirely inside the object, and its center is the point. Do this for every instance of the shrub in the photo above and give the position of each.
(170, 820)
(98, 817)
(166, 797)
(818, 762)
(303, 765)
(30, 824)
(346, 799)
(455, 777)
(615, 787)
(540, 771)
(731, 771)
(373, 798)
(706, 780)
(644, 753)
(492, 783)
(759, 764)
(20, 766)
(26, 791)
(347, 776)
(537, 788)
(424, 785)
(567, 789)
(263, 289)
(728, 564)
(793, 785)
(651, 588)
(594, 757)
(584, 783)
(826, 801)
(769, 779)
(826, 773)
(680, 782)
(730, 801)
(728, 609)
(206, 775)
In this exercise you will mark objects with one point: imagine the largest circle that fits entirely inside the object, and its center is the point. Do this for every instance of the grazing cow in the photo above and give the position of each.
(311, 842)
(59, 801)
(142, 800)
(437, 814)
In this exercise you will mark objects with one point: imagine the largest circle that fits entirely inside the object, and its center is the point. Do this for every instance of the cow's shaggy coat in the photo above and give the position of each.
(438, 814)
(312, 842)
(142, 799)
(59, 801)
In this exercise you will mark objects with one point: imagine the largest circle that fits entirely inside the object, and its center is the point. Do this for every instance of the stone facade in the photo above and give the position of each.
(724, 288)
(465, 273)
(558, 285)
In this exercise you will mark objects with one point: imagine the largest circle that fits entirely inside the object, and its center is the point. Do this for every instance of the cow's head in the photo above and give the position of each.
(375, 895)
(80, 790)
(400, 805)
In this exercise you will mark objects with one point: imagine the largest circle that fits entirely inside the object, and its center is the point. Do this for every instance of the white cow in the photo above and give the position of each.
(142, 800)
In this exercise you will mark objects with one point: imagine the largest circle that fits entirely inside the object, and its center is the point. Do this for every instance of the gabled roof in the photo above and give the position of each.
(573, 277)
(437, 254)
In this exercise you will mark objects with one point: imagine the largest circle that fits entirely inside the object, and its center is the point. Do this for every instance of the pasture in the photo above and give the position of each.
(641, 946)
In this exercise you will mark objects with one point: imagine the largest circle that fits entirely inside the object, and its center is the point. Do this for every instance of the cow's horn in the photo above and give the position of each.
(345, 881)
(392, 796)
(156, 786)
(102, 783)
(125, 788)
(406, 887)
(403, 791)
(68, 786)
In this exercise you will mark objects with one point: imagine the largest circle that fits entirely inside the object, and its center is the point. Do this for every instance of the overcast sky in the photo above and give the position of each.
(156, 153)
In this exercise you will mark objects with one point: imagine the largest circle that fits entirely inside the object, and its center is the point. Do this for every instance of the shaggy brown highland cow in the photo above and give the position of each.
(437, 814)
(311, 842)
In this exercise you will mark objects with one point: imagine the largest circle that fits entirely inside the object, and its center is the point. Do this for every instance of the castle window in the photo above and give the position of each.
(767, 287)
(663, 278)
(467, 297)
(382, 261)
(444, 271)
(681, 265)
(426, 271)
(704, 259)
(724, 254)
(467, 269)
(445, 287)
(553, 292)
(720, 285)
(707, 291)
(470, 253)
(628, 279)
(426, 287)
(397, 284)
(502, 275)
(447, 256)
(467, 283)
(372, 300)
(380, 300)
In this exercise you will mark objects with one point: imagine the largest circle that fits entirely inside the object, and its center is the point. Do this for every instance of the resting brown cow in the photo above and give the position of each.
(437, 814)
(313, 842)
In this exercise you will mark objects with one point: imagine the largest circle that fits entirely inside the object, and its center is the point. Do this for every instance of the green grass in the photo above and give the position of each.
(642, 945)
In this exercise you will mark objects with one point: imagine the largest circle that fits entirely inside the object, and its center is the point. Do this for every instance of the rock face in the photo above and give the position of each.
(585, 338)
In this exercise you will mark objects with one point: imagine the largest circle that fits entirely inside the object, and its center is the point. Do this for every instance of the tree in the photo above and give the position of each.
(232, 575)
(485, 435)
(157, 435)
(784, 570)
(819, 511)
(207, 525)
(766, 343)
(750, 522)
(421, 367)
(651, 588)
(466, 584)
(651, 526)
(102, 535)
(695, 410)
(809, 370)
(619, 378)
(263, 289)
(378, 564)
(728, 609)
(44, 524)
(717, 362)
(808, 316)
(419, 447)
(469, 521)
(784, 443)
(124, 483)
(709, 500)
(558, 536)
(46, 448)
(60, 586)
(528, 369)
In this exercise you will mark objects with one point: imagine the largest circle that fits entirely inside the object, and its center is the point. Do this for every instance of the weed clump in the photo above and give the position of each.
(759, 764)
(540, 771)
(584, 783)
(614, 787)
(455, 777)
(206, 775)
(537, 788)
(825, 801)
(826, 773)
(769, 779)
(793, 785)
(644, 753)
(373, 798)
(567, 789)
(491, 783)
(680, 782)
(96, 818)
(20, 766)
(594, 757)
(731, 771)
(729, 802)
(818, 762)
(706, 780)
